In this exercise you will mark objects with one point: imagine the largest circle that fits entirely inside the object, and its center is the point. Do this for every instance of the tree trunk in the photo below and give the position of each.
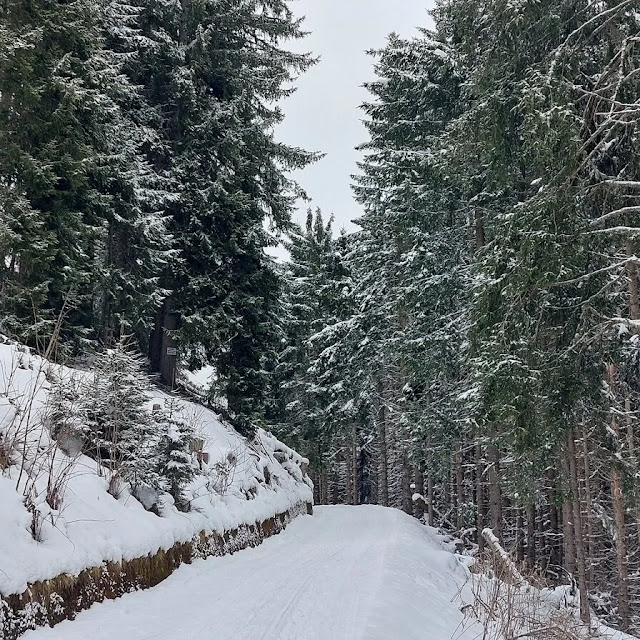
(480, 501)
(553, 536)
(162, 345)
(383, 483)
(495, 492)
(460, 486)
(430, 505)
(621, 549)
(418, 505)
(531, 535)
(520, 537)
(567, 534)
(478, 229)
(348, 488)
(620, 540)
(617, 498)
(578, 529)
(407, 474)
(354, 463)
(634, 283)
(588, 509)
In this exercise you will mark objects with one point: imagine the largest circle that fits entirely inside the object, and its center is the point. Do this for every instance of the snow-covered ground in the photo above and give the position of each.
(346, 573)
(243, 483)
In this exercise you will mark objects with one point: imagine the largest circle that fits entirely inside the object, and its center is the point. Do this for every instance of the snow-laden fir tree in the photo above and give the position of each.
(73, 186)
(212, 72)
(119, 428)
(315, 405)
(171, 454)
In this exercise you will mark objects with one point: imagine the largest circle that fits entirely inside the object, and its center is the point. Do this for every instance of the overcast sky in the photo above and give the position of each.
(323, 114)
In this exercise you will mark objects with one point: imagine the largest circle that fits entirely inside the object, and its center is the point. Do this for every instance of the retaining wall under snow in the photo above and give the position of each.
(62, 598)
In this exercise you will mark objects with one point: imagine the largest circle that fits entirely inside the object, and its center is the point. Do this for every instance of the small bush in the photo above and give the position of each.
(509, 610)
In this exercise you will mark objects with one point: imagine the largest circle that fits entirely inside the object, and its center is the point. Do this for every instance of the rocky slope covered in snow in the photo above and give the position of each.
(60, 514)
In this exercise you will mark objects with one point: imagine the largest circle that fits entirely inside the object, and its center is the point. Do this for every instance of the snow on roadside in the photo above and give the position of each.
(259, 480)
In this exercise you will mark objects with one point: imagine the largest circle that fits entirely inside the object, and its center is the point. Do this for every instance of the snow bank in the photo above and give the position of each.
(243, 483)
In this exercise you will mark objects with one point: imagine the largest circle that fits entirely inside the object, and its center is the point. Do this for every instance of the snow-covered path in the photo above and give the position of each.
(347, 573)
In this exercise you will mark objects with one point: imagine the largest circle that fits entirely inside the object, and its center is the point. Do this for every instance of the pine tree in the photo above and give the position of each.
(313, 397)
(119, 428)
(82, 239)
(174, 463)
(211, 73)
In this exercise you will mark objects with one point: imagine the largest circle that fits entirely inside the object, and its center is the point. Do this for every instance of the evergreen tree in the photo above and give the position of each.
(211, 74)
(118, 426)
(174, 463)
(72, 179)
(313, 400)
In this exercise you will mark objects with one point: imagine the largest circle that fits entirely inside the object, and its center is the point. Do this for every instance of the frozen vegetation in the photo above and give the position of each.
(64, 511)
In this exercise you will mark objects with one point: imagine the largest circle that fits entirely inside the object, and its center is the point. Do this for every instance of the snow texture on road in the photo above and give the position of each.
(347, 573)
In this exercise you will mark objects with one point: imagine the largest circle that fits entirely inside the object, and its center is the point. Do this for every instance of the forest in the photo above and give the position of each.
(470, 355)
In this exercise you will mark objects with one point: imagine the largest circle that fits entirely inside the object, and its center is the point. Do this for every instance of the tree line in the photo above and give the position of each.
(472, 353)
(140, 181)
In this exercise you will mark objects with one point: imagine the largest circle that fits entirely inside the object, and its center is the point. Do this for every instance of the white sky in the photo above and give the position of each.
(323, 114)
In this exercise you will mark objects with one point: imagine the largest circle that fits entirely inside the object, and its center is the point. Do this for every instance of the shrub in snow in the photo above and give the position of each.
(106, 414)
(5, 454)
(175, 465)
(223, 472)
(65, 414)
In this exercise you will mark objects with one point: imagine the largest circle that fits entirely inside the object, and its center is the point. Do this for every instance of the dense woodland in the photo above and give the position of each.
(476, 343)
(471, 355)
(140, 181)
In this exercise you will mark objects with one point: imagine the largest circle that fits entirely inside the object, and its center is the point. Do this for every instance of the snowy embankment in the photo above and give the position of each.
(347, 573)
(242, 483)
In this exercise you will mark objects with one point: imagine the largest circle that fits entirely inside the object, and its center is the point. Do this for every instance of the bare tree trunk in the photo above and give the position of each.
(459, 486)
(588, 508)
(553, 538)
(531, 535)
(568, 536)
(495, 492)
(336, 489)
(348, 493)
(585, 614)
(407, 473)
(162, 345)
(418, 505)
(480, 501)
(324, 492)
(621, 541)
(520, 537)
(478, 228)
(383, 484)
(617, 498)
(479, 240)
(634, 312)
(553, 535)
(634, 283)
(430, 505)
(621, 549)
(354, 464)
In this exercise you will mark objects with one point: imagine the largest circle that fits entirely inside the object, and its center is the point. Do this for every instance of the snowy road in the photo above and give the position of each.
(347, 573)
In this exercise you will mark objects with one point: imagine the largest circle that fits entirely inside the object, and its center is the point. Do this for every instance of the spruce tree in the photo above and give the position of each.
(211, 74)
(83, 241)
